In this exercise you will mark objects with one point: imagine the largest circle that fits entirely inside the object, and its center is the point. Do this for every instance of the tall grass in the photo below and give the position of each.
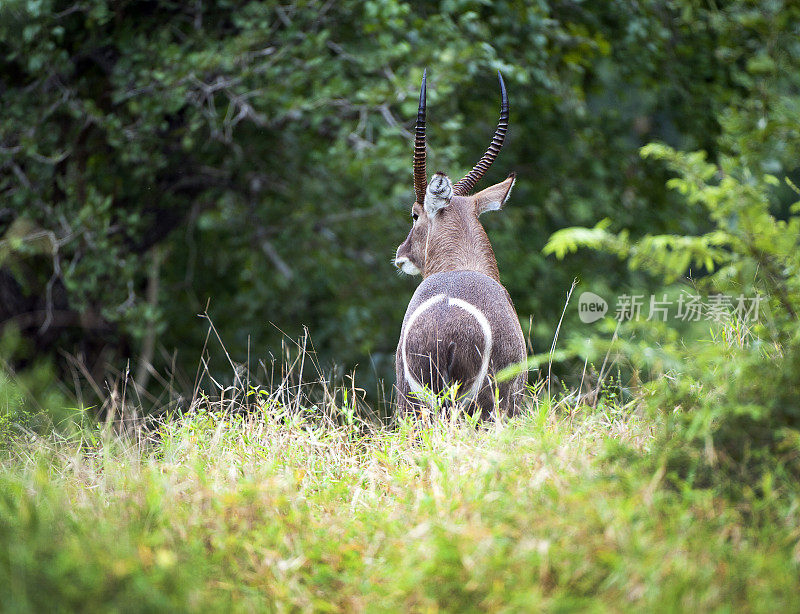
(291, 506)
(292, 495)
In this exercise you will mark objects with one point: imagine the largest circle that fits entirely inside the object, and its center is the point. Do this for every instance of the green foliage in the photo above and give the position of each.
(157, 155)
(744, 238)
(739, 395)
(728, 386)
(732, 397)
(32, 401)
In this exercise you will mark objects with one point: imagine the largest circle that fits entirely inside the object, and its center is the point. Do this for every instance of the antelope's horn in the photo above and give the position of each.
(420, 177)
(464, 187)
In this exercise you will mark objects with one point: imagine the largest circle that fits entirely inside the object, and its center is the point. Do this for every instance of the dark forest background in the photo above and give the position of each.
(159, 157)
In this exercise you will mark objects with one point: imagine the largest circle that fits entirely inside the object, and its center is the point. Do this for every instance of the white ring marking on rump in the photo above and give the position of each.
(476, 313)
(487, 343)
(412, 383)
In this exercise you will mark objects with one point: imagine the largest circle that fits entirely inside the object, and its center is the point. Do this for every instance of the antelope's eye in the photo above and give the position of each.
(414, 216)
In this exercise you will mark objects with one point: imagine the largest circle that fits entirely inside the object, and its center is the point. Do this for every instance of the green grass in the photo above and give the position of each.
(218, 512)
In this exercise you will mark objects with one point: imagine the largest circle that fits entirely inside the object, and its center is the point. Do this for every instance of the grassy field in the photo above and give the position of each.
(555, 510)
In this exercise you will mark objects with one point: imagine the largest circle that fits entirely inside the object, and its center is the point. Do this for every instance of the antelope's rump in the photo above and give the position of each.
(460, 327)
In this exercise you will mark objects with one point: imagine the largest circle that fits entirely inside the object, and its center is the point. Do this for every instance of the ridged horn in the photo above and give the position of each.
(465, 186)
(420, 176)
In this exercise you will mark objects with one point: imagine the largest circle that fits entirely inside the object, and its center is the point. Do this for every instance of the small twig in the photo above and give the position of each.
(270, 252)
(202, 352)
(148, 343)
(224, 349)
(392, 121)
(603, 367)
(555, 337)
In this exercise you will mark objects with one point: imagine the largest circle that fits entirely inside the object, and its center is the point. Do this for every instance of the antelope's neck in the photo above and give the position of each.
(461, 247)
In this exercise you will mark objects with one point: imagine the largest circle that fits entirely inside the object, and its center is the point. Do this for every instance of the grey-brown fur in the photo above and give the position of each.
(460, 326)
(445, 343)
(449, 247)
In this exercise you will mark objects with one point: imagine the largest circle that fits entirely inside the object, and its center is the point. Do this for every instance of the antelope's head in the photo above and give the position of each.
(446, 234)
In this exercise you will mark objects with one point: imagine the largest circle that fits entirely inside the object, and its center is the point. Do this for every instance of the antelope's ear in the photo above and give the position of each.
(494, 197)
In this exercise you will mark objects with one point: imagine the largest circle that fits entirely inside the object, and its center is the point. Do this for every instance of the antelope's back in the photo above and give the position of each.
(460, 326)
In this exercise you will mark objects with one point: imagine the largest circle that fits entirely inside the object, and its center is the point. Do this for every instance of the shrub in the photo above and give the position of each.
(732, 393)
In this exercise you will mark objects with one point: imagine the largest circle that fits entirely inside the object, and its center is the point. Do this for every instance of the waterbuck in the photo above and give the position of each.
(460, 327)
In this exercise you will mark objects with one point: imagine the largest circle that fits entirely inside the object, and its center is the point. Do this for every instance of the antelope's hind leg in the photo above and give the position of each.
(407, 402)
(511, 395)
(499, 399)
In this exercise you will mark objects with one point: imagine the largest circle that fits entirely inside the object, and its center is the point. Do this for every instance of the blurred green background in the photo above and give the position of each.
(160, 157)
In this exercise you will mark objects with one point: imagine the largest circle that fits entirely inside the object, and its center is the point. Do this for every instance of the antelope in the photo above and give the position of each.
(460, 326)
